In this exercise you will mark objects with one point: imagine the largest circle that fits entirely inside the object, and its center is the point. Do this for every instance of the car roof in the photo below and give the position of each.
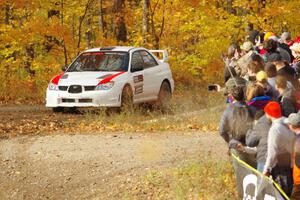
(113, 48)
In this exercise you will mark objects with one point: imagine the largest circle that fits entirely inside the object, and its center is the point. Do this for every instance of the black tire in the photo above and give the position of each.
(164, 96)
(58, 109)
(127, 99)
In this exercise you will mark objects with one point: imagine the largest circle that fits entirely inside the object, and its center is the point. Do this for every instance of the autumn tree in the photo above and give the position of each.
(38, 37)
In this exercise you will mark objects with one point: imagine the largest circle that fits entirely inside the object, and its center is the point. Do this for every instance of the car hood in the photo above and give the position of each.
(84, 78)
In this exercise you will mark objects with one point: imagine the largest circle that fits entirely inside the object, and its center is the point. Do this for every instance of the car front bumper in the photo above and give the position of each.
(101, 98)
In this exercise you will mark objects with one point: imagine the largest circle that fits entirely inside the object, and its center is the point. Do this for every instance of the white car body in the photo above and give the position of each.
(64, 89)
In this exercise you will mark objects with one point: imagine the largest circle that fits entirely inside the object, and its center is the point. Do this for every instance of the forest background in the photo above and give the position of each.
(38, 37)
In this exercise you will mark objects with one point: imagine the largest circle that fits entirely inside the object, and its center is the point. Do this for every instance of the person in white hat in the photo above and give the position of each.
(247, 52)
(296, 53)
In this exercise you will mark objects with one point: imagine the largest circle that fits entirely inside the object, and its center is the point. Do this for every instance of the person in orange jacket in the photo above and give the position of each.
(293, 122)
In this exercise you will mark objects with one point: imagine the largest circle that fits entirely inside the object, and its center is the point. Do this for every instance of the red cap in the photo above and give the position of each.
(273, 109)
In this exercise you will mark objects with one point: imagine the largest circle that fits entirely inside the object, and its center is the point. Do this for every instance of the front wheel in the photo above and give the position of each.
(127, 99)
(164, 96)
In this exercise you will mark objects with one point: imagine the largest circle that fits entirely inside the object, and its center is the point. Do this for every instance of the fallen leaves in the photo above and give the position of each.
(16, 122)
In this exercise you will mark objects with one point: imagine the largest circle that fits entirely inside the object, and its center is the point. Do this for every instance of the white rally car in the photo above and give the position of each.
(112, 77)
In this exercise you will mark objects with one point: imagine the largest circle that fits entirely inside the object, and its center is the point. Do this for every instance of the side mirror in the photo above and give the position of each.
(137, 68)
(64, 68)
(214, 87)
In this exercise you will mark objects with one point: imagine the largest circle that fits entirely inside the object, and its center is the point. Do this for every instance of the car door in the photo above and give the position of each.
(152, 75)
(137, 75)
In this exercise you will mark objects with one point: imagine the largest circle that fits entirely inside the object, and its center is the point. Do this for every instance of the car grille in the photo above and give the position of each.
(75, 89)
(89, 88)
(63, 88)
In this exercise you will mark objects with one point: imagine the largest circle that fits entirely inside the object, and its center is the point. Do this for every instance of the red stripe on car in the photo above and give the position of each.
(108, 79)
(56, 78)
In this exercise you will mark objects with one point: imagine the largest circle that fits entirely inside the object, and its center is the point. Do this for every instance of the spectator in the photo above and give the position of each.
(255, 96)
(272, 47)
(286, 38)
(247, 52)
(230, 84)
(258, 59)
(268, 35)
(284, 69)
(253, 68)
(258, 137)
(293, 122)
(282, 42)
(271, 71)
(259, 41)
(262, 80)
(251, 33)
(233, 55)
(296, 53)
(280, 148)
(236, 120)
(286, 97)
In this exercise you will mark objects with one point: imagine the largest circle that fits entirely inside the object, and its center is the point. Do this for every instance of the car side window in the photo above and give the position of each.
(148, 59)
(136, 62)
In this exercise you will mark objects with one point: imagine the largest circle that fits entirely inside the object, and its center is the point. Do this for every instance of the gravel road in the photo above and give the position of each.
(65, 166)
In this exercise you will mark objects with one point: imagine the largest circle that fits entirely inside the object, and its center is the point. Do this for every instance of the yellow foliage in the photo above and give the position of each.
(38, 37)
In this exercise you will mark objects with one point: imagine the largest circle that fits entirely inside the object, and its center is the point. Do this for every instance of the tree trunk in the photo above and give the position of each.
(88, 33)
(7, 14)
(230, 8)
(63, 41)
(102, 24)
(29, 58)
(120, 30)
(145, 27)
(157, 35)
(81, 19)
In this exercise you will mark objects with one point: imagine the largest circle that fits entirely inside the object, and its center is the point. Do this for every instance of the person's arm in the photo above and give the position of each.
(253, 136)
(224, 125)
(250, 150)
(246, 149)
(272, 150)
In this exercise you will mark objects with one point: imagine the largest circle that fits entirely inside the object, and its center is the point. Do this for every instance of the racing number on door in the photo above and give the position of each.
(139, 86)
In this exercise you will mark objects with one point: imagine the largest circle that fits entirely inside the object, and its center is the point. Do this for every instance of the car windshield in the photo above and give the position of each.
(100, 61)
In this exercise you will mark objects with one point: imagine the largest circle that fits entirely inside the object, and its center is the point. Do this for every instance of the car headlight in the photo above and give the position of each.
(52, 86)
(105, 86)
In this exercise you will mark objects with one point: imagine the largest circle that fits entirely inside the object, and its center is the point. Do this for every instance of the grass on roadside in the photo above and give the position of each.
(204, 181)
(191, 110)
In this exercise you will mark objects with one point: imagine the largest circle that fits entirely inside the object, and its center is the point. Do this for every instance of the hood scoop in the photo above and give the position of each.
(65, 76)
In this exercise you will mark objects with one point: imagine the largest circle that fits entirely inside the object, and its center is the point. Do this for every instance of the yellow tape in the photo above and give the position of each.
(259, 173)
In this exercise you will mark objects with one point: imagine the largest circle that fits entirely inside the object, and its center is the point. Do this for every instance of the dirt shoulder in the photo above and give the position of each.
(95, 166)
(25, 120)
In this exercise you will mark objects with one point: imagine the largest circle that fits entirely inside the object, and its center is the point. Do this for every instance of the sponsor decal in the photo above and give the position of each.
(138, 78)
(57, 78)
(108, 79)
(138, 89)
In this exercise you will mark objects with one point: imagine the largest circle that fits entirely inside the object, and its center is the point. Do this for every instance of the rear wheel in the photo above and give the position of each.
(127, 99)
(164, 96)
